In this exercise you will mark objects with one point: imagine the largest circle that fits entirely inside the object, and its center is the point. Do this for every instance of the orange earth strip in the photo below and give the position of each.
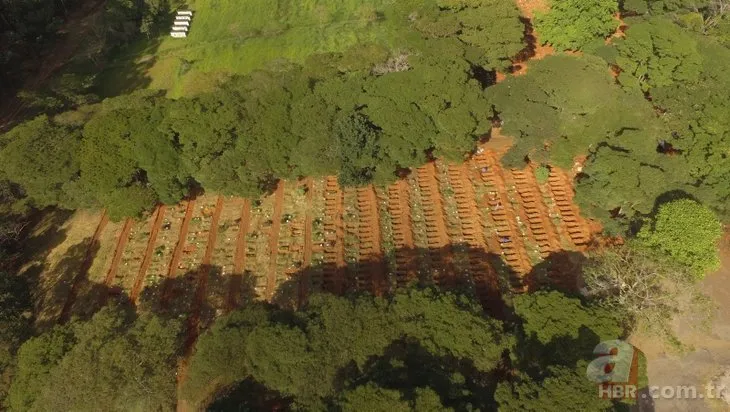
(574, 224)
(439, 244)
(119, 251)
(503, 214)
(147, 260)
(177, 254)
(203, 274)
(307, 260)
(84, 270)
(484, 276)
(274, 239)
(536, 215)
(239, 263)
(334, 253)
(371, 276)
(399, 208)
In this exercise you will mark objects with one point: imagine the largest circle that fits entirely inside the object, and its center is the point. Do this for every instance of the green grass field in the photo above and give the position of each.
(238, 36)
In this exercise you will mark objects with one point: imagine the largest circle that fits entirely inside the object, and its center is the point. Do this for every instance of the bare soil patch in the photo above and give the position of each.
(708, 352)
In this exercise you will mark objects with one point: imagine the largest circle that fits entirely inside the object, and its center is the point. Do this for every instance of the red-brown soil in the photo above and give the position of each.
(484, 277)
(304, 280)
(438, 239)
(154, 231)
(480, 226)
(239, 264)
(177, 254)
(538, 218)
(274, 239)
(334, 252)
(504, 216)
(400, 210)
(370, 276)
(203, 274)
(562, 192)
(118, 253)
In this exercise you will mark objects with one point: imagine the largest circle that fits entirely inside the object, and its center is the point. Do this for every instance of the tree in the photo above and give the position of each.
(15, 322)
(562, 389)
(565, 106)
(656, 52)
(491, 26)
(688, 232)
(549, 316)
(115, 360)
(41, 156)
(556, 337)
(359, 147)
(371, 397)
(648, 292)
(573, 24)
(698, 116)
(37, 359)
(354, 341)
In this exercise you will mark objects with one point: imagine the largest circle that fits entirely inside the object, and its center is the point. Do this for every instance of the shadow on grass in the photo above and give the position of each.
(127, 68)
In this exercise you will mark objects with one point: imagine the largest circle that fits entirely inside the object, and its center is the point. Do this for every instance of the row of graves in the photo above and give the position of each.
(182, 24)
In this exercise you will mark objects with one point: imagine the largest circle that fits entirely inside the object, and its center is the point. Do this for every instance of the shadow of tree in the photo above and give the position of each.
(407, 366)
(561, 270)
(200, 296)
(54, 294)
(208, 293)
(248, 395)
(459, 268)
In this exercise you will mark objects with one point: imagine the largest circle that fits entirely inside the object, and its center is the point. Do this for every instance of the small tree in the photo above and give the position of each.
(688, 232)
(573, 24)
(630, 280)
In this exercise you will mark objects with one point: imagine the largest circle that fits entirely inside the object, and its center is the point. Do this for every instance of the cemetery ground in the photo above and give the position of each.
(475, 226)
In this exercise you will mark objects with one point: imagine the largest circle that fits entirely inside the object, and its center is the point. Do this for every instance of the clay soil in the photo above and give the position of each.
(444, 221)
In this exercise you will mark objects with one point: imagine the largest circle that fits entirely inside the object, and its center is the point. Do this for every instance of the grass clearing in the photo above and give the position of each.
(239, 36)
(58, 269)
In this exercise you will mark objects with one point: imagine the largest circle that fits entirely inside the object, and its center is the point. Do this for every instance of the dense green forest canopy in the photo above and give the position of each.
(372, 109)
(361, 114)
(417, 349)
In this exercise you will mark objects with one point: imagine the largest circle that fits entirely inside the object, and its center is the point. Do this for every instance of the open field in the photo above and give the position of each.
(474, 226)
(233, 37)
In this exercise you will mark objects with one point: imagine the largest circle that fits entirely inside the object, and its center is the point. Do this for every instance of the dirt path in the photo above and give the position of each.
(239, 263)
(538, 218)
(438, 239)
(371, 274)
(154, 231)
(535, 50)
(203, 274)
(562, 192)
(484, 277)
(177, 254)
(334, 251)
(529, 7)
(274, 239)
(400, 209)
(707, 352)
(116, 260)
(304, 280)
(84, 270)
(504, 216)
